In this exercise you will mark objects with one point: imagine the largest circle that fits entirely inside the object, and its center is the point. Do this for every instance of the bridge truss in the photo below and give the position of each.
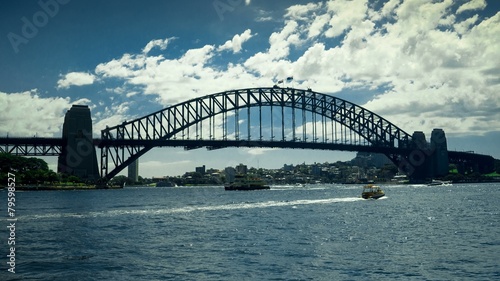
(258, 117)
(32, 146)
(265, 117)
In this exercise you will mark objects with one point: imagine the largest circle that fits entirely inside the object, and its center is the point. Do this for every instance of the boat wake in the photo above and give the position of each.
(190, 209)
(267, 204)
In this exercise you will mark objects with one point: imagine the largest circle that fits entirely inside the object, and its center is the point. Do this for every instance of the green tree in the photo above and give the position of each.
(387, 172)
(73, 179)
(452, 168)
(120, 180)
(27, 170)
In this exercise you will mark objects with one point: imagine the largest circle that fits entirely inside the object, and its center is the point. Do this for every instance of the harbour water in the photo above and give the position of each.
(316, 232)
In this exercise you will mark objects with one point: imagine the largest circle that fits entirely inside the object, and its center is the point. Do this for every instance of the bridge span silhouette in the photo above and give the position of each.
(255, 117)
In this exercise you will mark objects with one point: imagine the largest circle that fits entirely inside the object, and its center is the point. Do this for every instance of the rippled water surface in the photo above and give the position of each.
(317, 232)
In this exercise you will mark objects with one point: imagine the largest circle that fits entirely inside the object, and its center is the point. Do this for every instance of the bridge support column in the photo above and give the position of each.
(428, 160)
(133, 171)
(78, 155)
(418, 158)
(439, 148)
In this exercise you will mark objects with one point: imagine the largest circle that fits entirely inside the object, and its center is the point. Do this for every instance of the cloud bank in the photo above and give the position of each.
(27, 114)
(424, 65)
(420, 64)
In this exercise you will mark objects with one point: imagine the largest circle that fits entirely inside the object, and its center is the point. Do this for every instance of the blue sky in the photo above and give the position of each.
(420, 64)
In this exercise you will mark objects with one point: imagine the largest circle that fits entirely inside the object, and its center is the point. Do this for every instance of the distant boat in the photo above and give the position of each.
(372, 191)
(246, 182)
(438, 182)
(400, 179)
(166, 184)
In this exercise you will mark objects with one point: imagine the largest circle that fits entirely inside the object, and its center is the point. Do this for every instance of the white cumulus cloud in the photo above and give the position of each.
(236, 43)
(27, 114)
(75, 79)
(162, 44)
(472, 5)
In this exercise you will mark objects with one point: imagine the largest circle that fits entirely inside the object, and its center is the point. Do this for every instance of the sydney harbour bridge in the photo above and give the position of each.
(274, 117)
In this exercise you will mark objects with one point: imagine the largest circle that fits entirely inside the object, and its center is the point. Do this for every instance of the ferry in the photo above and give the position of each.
(246, 182)
(371, 191)
(438, 182)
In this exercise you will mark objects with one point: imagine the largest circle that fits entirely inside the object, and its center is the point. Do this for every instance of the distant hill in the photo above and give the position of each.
(366, 160)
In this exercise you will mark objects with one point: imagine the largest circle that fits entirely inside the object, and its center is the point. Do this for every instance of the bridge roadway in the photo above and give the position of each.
(53, 146)
(32, 146)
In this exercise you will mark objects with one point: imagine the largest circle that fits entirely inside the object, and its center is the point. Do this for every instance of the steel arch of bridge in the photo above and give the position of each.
(184, 124)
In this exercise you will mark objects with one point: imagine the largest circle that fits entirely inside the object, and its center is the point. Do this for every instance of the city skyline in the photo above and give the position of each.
(434, 68)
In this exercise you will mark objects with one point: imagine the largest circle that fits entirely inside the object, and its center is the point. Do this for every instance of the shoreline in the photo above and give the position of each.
(96, 187)
(62, 187)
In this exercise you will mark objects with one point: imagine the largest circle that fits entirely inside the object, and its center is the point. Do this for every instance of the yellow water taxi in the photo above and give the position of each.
(372, 191)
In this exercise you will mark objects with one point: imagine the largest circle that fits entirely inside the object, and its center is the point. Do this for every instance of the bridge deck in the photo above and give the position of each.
(52, 146)
(32, 146)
